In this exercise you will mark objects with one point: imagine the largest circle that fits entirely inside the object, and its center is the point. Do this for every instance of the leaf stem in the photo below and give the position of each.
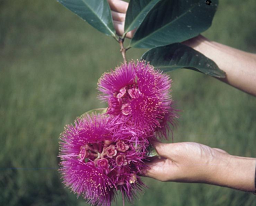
(124, 35)
(122, 50)
(128, 48)
(116, 38)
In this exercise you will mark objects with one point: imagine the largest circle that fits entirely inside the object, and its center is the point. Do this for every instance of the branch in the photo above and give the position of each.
(123, 50)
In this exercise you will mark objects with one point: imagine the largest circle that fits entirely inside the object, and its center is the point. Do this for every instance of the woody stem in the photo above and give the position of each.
(122, 50)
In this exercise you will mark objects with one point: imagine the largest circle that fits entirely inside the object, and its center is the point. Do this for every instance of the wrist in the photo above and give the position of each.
(238, 65)
(234, 172)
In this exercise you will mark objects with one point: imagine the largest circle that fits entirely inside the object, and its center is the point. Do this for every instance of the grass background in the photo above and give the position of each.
(50, 62)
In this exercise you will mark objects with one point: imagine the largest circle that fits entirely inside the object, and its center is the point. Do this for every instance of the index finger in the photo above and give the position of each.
(118, 5)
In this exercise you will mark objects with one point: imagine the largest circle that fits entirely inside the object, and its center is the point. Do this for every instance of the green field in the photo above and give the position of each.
(50, 62)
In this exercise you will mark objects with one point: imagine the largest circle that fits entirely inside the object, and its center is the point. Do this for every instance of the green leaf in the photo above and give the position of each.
(96, 12)
(177, 56)
(137, 11)
(172, 21)
(152, 152)
(94, 111)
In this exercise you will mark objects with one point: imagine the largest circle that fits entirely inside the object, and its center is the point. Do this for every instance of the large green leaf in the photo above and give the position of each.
(172, 21)
(96, 12)
(137, 11)
(177, 56)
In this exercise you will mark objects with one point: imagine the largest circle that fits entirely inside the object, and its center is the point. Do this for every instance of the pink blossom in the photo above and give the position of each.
(121, 160)
(138, 96)
(121, 146)
(98, 159)
(110, 151)
(103, 163)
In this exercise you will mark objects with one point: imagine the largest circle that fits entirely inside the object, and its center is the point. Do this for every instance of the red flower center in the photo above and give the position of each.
(121, 160)
(103, 163)
(124, 98)
(121, 146)
(110, 151)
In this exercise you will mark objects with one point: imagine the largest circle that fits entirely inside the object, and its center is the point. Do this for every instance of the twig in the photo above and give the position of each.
(123, 50)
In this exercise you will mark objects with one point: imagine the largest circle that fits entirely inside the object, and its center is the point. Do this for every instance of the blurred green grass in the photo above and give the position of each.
(50, 62)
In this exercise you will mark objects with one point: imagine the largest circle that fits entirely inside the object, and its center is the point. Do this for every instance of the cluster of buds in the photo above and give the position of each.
(110, 157)
(103, 154)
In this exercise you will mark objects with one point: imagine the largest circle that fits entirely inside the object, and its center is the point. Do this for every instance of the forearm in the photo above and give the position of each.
(239, 66)
(233, 172)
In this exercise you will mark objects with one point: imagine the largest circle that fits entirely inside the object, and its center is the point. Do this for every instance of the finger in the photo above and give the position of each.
(130, 33)
(118, 16)
(118, 6)
(162, 149)
(220, 150)
(119, 27)
(155, 169)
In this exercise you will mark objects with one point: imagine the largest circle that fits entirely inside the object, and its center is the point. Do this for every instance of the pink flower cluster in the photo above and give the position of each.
(97, 160)
(138, 96)
(103, 154)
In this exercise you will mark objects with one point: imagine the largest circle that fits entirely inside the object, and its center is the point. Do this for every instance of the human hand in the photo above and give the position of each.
(118, 11)
(184, 162)
(239, 66)
(193, 162)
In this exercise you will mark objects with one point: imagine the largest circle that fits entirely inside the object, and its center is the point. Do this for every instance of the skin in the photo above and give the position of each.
(239, 66)
(193, 162)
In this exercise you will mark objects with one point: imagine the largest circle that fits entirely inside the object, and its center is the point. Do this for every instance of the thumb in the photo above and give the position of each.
(162, 149)
(155, 168)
